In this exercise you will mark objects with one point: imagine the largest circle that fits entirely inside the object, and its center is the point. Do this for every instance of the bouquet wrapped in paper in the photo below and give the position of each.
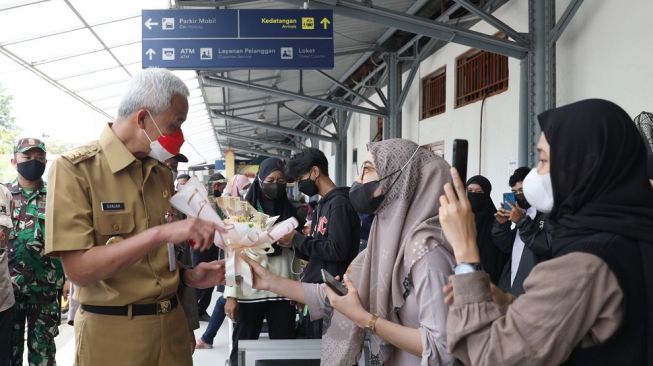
(193, 200)
(249, 233)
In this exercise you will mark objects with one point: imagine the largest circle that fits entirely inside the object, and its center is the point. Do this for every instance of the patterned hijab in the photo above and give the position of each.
(405, 230)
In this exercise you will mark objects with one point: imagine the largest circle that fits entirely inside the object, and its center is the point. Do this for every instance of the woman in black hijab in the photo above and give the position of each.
(492, 259)
(268, 192)
(268, 195)
(592, 303)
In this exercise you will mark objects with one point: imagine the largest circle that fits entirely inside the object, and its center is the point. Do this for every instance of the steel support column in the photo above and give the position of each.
(392, 123)
(524, 126)
(341, 149)
(541, 81)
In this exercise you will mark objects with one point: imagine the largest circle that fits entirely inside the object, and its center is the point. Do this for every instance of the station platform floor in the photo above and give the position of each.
(217, 356)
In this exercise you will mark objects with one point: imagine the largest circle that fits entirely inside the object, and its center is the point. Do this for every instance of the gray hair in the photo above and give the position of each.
(151, 89)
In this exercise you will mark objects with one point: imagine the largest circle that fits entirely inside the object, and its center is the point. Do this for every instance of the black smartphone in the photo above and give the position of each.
(509, 199)
(333, 284)
(459, 158)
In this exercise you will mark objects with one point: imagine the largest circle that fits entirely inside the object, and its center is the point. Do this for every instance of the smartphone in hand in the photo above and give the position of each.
(333, 284)
(509, 199)
(459, 158)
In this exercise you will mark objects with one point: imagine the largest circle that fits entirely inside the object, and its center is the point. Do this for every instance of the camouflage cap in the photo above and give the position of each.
(28, 143)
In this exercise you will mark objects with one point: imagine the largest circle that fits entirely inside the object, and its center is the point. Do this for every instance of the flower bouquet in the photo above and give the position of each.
(192, 199)
(249, 232)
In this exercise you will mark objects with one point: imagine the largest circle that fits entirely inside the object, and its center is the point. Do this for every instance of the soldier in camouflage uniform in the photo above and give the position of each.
(37, 279)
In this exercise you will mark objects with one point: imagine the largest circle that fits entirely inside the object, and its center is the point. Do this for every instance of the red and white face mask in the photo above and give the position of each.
(166, 146)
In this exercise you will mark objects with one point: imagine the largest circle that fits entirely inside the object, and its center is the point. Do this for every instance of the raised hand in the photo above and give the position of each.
(457, 220)
(197, 231)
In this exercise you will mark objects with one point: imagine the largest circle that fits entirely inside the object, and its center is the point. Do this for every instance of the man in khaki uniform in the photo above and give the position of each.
(106, 214)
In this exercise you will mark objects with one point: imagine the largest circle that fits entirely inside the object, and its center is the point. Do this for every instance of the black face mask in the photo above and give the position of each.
(273, 191)
(362, 197)
(31, 170)
(521, 200)
(307, 187)
(476, 200)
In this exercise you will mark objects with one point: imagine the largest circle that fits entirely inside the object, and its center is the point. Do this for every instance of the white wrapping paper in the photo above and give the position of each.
(248, 238)
(242, 238)
(193, 200)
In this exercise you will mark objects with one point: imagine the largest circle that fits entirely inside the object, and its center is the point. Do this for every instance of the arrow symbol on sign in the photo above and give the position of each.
(149, 23)
(150, 52)
(325, 22)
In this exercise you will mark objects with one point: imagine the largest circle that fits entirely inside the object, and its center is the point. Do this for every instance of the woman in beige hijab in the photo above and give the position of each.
(393, 285)
(237, 186)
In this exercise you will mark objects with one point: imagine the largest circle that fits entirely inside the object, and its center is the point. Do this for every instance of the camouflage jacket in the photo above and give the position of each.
(29, 267)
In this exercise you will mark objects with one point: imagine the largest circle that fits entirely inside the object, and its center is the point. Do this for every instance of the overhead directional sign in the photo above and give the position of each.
(238, 39)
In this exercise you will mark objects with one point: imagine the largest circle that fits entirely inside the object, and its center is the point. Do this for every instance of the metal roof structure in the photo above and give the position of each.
(406, 33)
(273, 112)
(89, 49)
(239, 113)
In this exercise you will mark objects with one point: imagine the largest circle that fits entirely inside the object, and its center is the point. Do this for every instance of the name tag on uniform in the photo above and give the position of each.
(113, 206)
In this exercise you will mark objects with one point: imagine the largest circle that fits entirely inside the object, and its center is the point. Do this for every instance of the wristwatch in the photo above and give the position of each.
(463, 268)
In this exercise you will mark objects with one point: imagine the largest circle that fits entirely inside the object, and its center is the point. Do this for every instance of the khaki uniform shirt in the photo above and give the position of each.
(101, 194)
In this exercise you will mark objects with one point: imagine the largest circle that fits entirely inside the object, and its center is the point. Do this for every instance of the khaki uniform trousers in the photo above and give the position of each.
(144, 340)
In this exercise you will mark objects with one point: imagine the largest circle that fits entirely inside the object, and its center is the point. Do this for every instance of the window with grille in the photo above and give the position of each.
(433, 93)
(480, 73)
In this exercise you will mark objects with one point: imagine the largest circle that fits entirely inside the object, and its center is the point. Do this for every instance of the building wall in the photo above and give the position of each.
(606, 53)
(359, 134)
(329, 149)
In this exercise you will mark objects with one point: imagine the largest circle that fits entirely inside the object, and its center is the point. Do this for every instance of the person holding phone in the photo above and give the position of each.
(592, 303)
(493, 259)
(528, 243)
(392, 285)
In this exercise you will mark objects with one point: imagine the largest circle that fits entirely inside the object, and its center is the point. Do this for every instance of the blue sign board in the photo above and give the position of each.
(238, 39)
(219, 165)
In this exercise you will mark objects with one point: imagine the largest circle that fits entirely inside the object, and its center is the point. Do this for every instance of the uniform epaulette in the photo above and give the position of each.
(81, 153)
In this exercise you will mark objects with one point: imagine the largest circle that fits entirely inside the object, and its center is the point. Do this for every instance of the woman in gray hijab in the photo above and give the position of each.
(393, 284)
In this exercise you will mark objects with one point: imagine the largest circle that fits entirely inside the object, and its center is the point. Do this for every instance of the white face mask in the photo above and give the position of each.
(539, 191)
(157, 151)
